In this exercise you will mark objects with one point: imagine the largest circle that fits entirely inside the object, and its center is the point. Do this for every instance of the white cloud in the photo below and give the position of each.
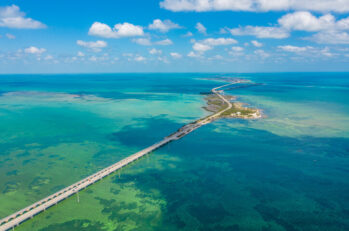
(330, 31)
(95, 46)
(10, 36)
(200, 47)
(343, 24)
(216, 57)
(163, 26)
(34, 50)
(201, 28)
(294, 49)
(189, 34)
(219, 41)
(256, 43)
(306, 21)
(255, 5)
(48, 57)
(12, 17)
(155, 52)
(326, 25)
(223, 31)
(331, 37)
(192, 54)
(93, 58)
(326, 52)
(307, 51)
(237, 49)
(208, 44)
(119, 30)
(80, 54)
(164, 42)
(205, 5)
(163, 59)
(261, 32)
(175, 55)
(142, 41)
(139, 58)
(262, 54)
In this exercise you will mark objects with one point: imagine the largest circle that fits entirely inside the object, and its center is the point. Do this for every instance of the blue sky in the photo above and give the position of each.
(38, 36)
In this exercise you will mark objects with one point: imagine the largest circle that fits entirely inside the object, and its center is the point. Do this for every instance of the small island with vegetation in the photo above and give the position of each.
(238, 110)
(226, 106)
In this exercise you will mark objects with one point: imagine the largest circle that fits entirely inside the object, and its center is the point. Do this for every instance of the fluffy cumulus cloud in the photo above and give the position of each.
(139, 58)
(48, 57)
(164, 42)
(209, 43)
(155, 52)
(305, 21)
(307, 51)
(34, 50)
(120, 30)
(294, 49)
(343, 24)
(192, 54)
(200, 47)
(201, 28)
(10, 36)
(12, 17)
(328, 27)
(163, 26)
(255, 5)
(175, 55)
(142, 41)
(219, 41)
(331, 37)
(95, 46)
(261, 32)
(262, 54)
(188, 34)
(256, 43)
(237, 49)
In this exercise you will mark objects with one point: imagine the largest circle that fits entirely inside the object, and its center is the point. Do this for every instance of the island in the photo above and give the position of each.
(227, 106)
(238, 110)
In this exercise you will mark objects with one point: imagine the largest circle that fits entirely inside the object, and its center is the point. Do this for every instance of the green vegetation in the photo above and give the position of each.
(216, 104)
(243, 111)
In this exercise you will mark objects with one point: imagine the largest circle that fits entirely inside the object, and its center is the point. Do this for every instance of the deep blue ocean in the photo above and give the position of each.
(288, 171)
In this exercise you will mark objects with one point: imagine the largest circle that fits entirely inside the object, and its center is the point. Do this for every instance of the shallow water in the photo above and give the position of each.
(288, 171)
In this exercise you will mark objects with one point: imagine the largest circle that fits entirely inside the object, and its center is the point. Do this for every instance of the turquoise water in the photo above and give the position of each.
(288, 171)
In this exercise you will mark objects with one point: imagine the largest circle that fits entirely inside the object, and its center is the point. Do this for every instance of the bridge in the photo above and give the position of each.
(13, 220)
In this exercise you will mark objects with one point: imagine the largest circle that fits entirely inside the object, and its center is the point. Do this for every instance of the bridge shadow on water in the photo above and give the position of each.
(146, 132)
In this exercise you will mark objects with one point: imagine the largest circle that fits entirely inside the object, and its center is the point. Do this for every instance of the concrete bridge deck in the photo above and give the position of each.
(13, 220)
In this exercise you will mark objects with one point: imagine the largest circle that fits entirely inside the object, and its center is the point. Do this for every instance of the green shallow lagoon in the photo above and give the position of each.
(288, 171)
